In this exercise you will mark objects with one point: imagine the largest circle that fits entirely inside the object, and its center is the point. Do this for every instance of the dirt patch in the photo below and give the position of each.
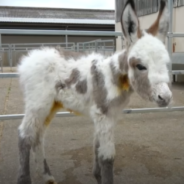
(131, 154)
(127, 155)
(77, 156)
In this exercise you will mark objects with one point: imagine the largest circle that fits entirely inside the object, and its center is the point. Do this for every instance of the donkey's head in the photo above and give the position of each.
(147, 55)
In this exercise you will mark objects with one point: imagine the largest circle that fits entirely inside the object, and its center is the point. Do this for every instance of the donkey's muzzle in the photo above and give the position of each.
(163, 95)
(163, 101)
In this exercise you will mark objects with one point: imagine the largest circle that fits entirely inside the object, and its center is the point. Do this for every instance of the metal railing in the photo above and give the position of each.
(125, 111)
(59, 32)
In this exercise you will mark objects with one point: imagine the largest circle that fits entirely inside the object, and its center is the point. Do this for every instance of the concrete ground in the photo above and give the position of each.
(150, 147)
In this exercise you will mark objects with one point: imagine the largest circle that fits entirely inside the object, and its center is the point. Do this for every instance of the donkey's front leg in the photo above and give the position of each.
(105, 150)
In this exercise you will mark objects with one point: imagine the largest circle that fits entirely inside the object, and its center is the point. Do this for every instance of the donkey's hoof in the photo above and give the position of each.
(24, 180)
(51, 181)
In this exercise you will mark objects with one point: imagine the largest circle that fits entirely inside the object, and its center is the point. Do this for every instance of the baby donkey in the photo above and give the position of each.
(92, 85)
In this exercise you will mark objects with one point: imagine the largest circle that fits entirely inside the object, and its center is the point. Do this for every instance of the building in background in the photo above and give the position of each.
(54, 19)
(29, 18)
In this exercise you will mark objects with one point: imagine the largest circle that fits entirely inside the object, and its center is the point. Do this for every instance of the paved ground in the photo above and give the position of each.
(150, 147)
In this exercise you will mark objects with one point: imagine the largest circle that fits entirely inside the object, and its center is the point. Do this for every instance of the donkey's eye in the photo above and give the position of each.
(141, 67)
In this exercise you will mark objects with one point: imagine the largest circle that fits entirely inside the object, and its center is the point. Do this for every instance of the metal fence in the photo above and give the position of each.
(105, 47)
(10, 54)
(174, 56)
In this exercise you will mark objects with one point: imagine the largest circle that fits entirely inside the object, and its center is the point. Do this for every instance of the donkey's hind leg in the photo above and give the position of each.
(24, 144)
(40, 157)
(31, 134)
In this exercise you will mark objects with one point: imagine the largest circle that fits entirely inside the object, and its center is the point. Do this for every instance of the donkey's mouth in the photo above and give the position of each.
(163, 104)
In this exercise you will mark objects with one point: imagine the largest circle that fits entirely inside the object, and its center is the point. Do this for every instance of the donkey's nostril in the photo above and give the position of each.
(160, 98)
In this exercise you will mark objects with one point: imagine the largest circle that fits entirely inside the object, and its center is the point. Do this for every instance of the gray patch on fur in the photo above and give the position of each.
(141, 83)
(46, 168)
(96, 165)
(24, 155)
(59, 85)
(107, 171)
(123, 68)
(116, 80)
(74, 77)
(81, 86)
(99, 90)
(123, 63)
(115, 74)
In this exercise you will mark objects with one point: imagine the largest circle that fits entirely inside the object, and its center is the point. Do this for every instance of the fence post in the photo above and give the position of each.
(10, 55)
(96, 44)
(1, 58)
(170, 35)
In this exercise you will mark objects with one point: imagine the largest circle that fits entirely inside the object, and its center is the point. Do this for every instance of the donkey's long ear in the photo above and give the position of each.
(161, 25)
(130, 22)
